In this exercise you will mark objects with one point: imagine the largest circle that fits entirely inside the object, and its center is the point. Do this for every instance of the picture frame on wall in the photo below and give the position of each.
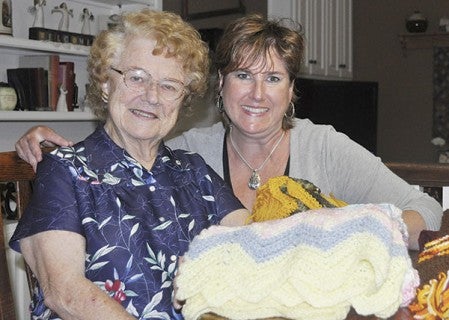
(201, 9)
(6, 20)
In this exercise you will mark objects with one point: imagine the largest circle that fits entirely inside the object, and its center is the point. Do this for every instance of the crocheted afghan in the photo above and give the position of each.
(311, 265)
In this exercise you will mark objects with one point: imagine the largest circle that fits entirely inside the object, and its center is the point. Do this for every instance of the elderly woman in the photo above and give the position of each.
(258, 61)
(111, 215)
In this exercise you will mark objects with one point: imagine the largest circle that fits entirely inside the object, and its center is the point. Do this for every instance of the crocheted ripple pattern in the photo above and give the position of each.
(314, 265)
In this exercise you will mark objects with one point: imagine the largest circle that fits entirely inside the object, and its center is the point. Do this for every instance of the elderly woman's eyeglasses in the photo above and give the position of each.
(139, 81)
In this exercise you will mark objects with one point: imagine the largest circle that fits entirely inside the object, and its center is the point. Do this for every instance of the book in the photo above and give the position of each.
(15, 80)
(30, 85)
(38, 78)
(66, 76)
(49, 62)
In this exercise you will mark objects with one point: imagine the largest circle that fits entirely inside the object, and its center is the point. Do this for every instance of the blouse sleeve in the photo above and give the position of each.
(53, 205)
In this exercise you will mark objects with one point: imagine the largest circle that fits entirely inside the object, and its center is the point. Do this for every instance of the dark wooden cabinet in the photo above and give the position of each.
(349, 106)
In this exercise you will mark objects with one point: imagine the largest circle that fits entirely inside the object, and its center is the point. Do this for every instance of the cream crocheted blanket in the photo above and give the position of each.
(312, 265)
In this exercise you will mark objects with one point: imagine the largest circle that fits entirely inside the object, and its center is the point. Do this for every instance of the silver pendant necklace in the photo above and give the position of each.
(254, 180)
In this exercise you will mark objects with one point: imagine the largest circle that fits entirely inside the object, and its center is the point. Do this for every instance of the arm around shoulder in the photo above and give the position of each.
(28, 147)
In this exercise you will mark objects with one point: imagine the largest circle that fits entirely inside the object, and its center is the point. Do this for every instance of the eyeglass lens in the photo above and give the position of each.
(139, 80)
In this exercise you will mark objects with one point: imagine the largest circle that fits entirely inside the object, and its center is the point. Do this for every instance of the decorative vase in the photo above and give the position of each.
(8, 97)
(416, 23)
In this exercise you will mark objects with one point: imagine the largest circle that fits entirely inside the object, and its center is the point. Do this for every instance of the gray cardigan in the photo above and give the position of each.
(332, 161)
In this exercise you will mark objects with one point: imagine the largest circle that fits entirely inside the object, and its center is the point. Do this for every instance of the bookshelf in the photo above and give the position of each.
(74, 125)
(11, 48)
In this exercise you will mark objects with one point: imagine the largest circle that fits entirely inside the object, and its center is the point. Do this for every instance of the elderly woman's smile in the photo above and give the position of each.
(141, 113)
(145, 95)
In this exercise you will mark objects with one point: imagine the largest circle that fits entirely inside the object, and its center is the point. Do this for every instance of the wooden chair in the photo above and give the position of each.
(20, 173)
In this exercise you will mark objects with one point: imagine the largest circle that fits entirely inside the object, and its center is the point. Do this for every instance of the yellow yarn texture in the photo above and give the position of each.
(310, 266)
(283, 196)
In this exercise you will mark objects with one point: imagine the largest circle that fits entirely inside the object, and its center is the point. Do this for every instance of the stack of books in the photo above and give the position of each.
(38, 79)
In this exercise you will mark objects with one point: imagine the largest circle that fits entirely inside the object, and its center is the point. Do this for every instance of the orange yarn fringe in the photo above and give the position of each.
(432, 301)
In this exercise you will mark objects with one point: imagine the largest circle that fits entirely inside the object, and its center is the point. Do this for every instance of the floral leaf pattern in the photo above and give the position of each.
(136, 222)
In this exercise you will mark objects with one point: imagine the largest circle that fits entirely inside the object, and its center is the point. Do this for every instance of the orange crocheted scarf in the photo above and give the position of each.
(283, 196)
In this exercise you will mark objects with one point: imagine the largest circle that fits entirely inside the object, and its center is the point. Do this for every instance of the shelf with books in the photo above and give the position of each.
(25, 116)
(39, 79)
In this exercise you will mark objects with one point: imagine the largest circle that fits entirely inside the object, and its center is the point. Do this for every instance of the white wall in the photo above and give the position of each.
(11, 131)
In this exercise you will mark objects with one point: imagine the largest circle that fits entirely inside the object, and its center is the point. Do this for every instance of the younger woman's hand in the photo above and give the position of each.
(28, 147)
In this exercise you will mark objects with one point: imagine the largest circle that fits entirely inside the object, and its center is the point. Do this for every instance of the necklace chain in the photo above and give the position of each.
(254, 180)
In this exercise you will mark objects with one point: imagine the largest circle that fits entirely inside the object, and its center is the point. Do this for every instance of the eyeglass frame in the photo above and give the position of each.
(150, 77)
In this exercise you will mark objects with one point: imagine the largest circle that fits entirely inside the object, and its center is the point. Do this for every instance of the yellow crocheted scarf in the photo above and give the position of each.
(283, 196)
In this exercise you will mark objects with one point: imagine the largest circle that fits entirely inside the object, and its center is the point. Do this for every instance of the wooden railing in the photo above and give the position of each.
(430, 177)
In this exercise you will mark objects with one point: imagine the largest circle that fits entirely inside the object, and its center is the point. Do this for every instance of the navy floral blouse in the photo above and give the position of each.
(136, 222)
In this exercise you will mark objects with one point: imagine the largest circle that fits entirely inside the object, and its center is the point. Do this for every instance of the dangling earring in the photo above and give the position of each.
(219, 104)
(292, 111)
(104, 97)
